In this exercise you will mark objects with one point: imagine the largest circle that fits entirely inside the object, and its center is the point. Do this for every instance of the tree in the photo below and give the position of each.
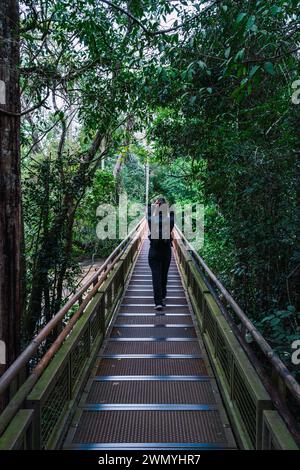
(226, 98)
(10, 198)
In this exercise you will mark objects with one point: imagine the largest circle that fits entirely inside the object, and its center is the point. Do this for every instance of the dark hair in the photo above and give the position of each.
(160, 201)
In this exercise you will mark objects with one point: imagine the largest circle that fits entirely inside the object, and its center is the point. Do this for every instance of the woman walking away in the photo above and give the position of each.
(161, 223)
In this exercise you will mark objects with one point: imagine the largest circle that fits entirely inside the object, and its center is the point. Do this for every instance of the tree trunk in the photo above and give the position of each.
(122, 156)
(10, 200)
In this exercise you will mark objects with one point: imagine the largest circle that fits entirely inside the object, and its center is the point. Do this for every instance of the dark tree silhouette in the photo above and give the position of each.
(10, 200)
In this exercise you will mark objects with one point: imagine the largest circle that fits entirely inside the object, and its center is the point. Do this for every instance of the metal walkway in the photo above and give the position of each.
(152, 386)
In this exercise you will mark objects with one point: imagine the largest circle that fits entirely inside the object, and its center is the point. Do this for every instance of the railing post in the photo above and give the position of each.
(36, 424)
(88, 334)
(232, 372)
(279, 383)
(102, 315)
(70, 376)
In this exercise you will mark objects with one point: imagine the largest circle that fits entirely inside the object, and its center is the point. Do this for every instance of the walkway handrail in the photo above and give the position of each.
(264, 346)
(21, 361)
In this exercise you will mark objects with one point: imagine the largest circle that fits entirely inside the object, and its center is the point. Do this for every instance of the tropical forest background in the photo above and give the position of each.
(206, 92)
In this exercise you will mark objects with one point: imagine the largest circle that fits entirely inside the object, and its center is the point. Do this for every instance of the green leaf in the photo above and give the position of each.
(253, 70)
(240, 17)
(202, 64)
(227, 52)
(190, 71)
(291, 308)
(275, 321)
(269, 68)
(239, 55)
(250, 23)
(267, 318)
(275, 9)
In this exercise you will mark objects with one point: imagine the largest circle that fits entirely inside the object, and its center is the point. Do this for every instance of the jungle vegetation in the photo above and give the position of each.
(207, 91)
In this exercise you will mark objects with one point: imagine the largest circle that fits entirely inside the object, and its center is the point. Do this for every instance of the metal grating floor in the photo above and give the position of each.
(152, 385)
(153, 347)
(149, 426)
(153, 332)
(140, 309)
(151, 366)
(136, 391)
(136, 300)
(154, 320)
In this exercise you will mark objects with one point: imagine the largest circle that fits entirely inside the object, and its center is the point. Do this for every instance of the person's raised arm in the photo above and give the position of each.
(149, 216)
(172, 221)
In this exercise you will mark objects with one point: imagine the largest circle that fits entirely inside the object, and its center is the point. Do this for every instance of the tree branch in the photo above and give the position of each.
(26, 111)
(274, 57)
(161, 31)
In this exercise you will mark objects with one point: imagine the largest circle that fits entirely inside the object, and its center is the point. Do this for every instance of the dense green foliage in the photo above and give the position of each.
(226, 95)
(210, 83)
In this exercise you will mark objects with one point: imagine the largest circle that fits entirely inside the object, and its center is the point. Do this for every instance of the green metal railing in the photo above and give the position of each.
(256, 422)
(40, 411)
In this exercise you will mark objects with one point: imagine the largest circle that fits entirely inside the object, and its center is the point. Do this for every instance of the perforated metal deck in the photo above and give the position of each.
(152, 386)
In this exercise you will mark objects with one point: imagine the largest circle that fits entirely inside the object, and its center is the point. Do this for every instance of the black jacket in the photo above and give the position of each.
(155, 224)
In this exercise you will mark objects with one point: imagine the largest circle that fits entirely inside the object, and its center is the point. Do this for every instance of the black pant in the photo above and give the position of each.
(159, 262)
